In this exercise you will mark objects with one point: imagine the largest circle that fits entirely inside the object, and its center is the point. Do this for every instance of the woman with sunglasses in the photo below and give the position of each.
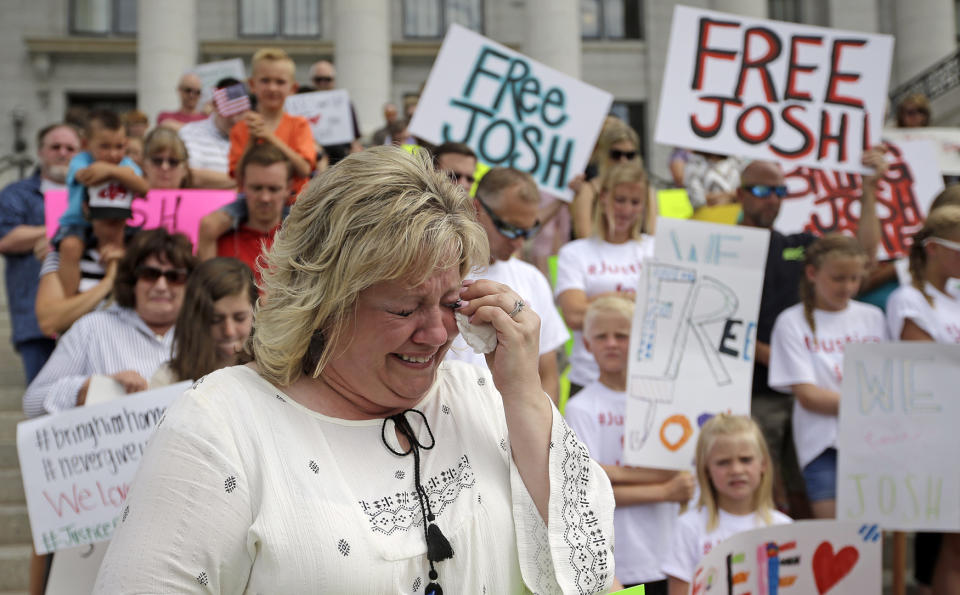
(618, 143)
(129, 339)
(607, 263)
(165, 160)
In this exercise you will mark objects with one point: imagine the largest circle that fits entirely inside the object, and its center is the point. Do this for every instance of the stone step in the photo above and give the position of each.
(11, 397)
(8, 455)
(15, 569)
(8, 425)
(11, 487)
(14, 525)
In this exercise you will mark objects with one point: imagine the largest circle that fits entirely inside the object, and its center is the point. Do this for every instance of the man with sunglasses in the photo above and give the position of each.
(23, 239)
(761, 191)
(208, 144)
(507, 202)
(189, 90)
(323, 75)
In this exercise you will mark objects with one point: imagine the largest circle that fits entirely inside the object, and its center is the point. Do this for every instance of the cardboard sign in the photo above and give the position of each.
(511, 110)
(897, 441)
(77, 466)
(210, 73)
(176, 209)
(693, 337)
(764, 89)
(821, 201)
(807, 557)
(328, 113)
(946, 144)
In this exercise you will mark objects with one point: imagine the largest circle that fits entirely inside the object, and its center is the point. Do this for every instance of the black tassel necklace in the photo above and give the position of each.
(438, 548)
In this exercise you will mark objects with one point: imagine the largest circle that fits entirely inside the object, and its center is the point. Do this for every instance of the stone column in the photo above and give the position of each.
(925, 32)
(744, 8)
(166, 48)
(553, 34)
(854, 15)
(362, 56)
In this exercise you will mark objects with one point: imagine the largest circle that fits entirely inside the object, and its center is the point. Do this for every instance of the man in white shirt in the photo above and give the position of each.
(208, 145)
(507, 202)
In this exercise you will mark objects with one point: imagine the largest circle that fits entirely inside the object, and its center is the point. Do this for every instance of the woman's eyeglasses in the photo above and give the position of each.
(173, 162)
(617, 154)
(955, 246)
(152, 274)
(511, 232)
(764, 190)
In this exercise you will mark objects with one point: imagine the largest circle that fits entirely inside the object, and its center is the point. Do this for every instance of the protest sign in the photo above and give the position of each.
(328, 112)
(210, 73)
(693, 337)
(806, 557)
(946, 144)
(764, 89)
(74, 570)
(77, 466)
(822, 201)
(175, 209)
(511, 110)
(897, 440)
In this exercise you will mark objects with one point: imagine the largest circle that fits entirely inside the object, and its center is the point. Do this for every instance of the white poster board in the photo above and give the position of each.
(765, 89)
(74, 570)
(946, 144)
(693, 337)
(806, 557)
(511, 110)
(77, 466)
(328, 113)
(822, 201)
(897, 442)
(210, 73)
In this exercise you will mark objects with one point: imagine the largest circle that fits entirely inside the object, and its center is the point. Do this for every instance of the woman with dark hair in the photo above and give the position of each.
(126, 341)
(214, 322)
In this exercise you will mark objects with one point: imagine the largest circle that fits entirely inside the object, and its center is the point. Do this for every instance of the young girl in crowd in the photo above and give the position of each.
(214, 322)
(736, 494)
(929, 310)
(806, 356)
(647, 499)
(607, 263)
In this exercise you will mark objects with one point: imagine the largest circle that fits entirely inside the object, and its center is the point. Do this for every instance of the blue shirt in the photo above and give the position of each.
(76, 191)
(21, 203)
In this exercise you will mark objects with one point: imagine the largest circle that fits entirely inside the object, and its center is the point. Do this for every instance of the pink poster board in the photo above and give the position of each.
(175, 209)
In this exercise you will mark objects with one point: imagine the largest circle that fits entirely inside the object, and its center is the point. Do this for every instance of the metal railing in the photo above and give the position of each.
(933, 82)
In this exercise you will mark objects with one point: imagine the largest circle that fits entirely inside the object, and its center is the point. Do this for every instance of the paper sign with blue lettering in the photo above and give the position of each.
(328, 112)
(802, 558)
(693, 337)
(511, 110)
(77, 466)
(797, 94)
(897, 441)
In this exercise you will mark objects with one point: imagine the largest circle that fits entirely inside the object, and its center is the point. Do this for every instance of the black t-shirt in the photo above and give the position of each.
(781, 287)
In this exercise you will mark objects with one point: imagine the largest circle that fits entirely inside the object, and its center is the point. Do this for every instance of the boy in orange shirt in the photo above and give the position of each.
(271, 82)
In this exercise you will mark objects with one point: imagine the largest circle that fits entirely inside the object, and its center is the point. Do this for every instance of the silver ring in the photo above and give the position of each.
(517, 308)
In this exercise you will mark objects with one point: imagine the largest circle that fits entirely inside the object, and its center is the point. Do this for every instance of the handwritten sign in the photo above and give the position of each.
(210, 73)
(693, 337)
(822, 201)
(897, 438)
(77, 466)
(328, 113)
(511, 110)
(175, 209)
(946, 144)
(806, 557)
(770, 90)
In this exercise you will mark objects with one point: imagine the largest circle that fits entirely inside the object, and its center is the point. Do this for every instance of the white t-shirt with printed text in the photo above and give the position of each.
(797, 357)
(595, 266)
(941, 320)
(596, 415)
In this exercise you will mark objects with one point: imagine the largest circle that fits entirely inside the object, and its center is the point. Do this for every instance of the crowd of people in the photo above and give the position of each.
(317, 315)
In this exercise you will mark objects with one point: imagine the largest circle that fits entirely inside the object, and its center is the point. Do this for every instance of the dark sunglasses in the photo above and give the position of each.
(617, 154)
(455, 177)
(511, 232)
(764, 191)
(322, 79)
(159, 161)
(151, 274)
(190, 91)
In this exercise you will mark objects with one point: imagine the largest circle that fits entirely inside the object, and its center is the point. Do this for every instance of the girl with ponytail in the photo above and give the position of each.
(806, 356)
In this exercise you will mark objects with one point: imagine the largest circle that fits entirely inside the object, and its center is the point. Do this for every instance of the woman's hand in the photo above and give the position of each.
(514, 362)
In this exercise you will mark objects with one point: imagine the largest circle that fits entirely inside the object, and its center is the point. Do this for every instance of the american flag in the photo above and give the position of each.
(231, 100)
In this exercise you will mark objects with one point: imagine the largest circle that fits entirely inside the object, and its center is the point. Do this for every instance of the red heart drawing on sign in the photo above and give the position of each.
(829, 568)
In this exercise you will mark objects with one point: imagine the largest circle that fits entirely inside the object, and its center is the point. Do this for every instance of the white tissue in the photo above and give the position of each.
(481, 337)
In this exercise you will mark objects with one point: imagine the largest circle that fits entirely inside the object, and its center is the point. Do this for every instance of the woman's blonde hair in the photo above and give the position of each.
(724, 424)
(830, 245)
(630, 172)
(379, 215)
(614, 131)
(940, 223)
(166, 139)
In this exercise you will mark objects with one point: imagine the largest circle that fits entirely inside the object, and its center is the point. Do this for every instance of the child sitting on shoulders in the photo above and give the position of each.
(735, 476)
(647, 499)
